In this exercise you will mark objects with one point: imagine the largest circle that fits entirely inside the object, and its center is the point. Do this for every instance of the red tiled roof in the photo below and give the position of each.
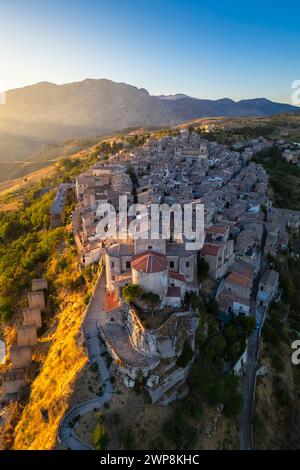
(175, 275)
(149, 262)
(245, 273)
(211, 250)
(239, 279)
(217, 229)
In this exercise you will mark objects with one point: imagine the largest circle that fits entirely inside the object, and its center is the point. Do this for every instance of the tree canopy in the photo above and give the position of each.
(132, 292)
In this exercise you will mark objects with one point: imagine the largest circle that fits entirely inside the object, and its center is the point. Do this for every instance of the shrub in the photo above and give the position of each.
(5, 309)
(127, 440)
(212, 307)
(87, 298)
(180, 431)
(202, 269)
(186, 355)
(151, 299)
(100, 437)
(115, 418)
(217, 387)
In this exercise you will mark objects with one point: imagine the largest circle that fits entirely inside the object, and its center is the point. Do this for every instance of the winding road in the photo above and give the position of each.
(95, 347)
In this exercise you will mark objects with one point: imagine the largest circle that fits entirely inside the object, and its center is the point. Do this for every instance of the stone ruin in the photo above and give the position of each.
(36, 299)
(12, 381)
(32, 316)
(39, 284)
(20, 356)
(26, 335)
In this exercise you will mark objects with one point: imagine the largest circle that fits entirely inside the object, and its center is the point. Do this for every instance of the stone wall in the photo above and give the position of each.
(26, 335)
(156, 282)
(32, 316)
(36, 299)
(143, 340)
(166, 381)
(20, 356)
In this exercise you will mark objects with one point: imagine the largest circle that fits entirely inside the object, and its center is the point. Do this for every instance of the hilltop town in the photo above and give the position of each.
(144, 318)
(149, 232)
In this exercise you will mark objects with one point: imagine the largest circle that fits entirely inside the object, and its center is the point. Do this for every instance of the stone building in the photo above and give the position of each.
(20, 356)
(39, 284)
(152, 353)
(65, 194)
(150, 271)
(36, 299)
(267, 288)
(161, 267)
(12, 382)
(32, 316)
(26, 335)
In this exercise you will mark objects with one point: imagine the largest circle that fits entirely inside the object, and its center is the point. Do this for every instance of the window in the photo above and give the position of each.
(112, 264)
(127, 264)
(171, 264)
(187, 264)
(150, 247)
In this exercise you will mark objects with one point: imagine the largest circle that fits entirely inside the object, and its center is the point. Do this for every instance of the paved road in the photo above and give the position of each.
(95, 347)
(249, 385)
(248, 393)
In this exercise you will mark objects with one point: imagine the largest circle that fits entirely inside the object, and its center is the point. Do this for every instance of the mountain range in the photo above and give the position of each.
(49, 113)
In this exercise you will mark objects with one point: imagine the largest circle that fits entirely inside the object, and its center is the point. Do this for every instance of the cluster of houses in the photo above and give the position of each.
(241, 228)
(64, 195)
(291, 155)
(13, 379)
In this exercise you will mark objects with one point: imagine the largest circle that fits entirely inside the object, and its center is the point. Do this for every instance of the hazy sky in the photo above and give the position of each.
(215, 49)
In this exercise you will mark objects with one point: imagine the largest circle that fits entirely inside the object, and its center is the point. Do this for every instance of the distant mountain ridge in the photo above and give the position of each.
(46, 112)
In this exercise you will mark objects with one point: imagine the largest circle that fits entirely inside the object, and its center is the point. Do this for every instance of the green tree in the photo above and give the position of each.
(179, 430)
(236, 333)
(5, 309)
(212, 307)
(186, 355)
(202, 269)
(132, 292)
(151, 299)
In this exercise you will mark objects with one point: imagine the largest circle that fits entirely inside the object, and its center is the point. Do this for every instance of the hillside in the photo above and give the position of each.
(46, 113)
(30, 248)
(276, 414)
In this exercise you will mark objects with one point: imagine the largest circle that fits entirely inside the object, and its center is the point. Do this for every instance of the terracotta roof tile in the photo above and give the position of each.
(211, 250)
(175, 275)
(239, 279)
(218, 229)
(149, 262)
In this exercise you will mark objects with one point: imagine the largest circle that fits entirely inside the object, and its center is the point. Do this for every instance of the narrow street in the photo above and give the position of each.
(246, 438)
(95, 347)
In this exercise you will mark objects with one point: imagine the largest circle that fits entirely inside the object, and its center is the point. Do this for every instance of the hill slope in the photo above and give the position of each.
(47, 112)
